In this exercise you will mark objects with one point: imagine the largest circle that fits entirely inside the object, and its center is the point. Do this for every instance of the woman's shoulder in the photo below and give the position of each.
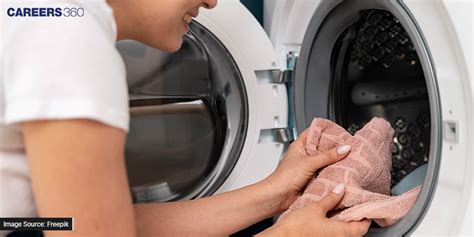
(63, 67)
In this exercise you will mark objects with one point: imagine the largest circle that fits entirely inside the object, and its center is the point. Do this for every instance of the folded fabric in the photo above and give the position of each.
(365, 171)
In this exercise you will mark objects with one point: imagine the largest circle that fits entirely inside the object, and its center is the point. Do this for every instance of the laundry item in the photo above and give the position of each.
(365, 171)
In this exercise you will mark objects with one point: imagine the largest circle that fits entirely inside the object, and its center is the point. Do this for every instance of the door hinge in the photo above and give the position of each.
(279, 135)
(288, 134)
(285, 76)
(281, 76)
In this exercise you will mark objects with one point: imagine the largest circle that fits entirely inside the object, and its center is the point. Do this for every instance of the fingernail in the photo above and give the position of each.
(339, 188)
(343, 149)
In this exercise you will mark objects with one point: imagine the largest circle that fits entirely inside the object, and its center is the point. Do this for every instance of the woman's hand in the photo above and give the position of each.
(312, 221)
(297, 169)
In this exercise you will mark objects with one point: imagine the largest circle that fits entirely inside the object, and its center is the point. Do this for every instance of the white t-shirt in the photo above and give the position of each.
(54, 67)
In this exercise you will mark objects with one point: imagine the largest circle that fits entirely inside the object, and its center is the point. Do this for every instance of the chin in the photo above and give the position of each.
(172, 46)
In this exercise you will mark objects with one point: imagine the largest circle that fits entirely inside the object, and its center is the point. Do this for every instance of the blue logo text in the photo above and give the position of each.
(34, 12)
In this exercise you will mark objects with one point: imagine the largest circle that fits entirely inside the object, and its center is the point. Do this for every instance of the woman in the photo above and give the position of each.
(65, 117)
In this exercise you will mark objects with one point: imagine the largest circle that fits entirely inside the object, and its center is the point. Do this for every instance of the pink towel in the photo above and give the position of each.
(365, 171)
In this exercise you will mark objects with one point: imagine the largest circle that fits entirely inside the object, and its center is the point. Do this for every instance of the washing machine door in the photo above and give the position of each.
(204, 119)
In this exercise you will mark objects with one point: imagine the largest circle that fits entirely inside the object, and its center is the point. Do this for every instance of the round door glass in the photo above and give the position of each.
(188, 116)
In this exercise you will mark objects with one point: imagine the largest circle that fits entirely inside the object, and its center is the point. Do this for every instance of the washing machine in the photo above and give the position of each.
(219, 113)
(409, 62)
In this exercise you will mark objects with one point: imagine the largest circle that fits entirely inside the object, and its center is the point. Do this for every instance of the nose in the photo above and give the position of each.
(209, 4)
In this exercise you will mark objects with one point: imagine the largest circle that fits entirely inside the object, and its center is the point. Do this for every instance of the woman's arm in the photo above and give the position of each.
(226, 213)
(77, 170)
(218, 215)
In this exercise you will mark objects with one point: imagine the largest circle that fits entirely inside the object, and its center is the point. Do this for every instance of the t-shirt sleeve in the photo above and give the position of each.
(63, 68)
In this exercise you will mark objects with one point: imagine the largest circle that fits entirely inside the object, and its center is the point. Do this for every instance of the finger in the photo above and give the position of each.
(356, 228)
(299, 143)
(333, 198)
(302, 137)
(329, 157)
(304, 134)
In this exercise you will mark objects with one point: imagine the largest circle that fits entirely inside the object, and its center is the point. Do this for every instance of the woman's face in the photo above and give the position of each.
(168, 20)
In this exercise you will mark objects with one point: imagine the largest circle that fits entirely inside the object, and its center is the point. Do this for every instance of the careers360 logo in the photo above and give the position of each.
(45, 12)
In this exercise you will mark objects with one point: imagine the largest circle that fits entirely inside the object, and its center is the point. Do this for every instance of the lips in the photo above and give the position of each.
(188, 18)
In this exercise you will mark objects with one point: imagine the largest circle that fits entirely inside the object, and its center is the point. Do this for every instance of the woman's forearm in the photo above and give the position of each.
(218, 215)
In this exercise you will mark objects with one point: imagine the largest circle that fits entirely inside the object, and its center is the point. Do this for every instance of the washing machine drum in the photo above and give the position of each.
(384, 78)
(188, 116)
